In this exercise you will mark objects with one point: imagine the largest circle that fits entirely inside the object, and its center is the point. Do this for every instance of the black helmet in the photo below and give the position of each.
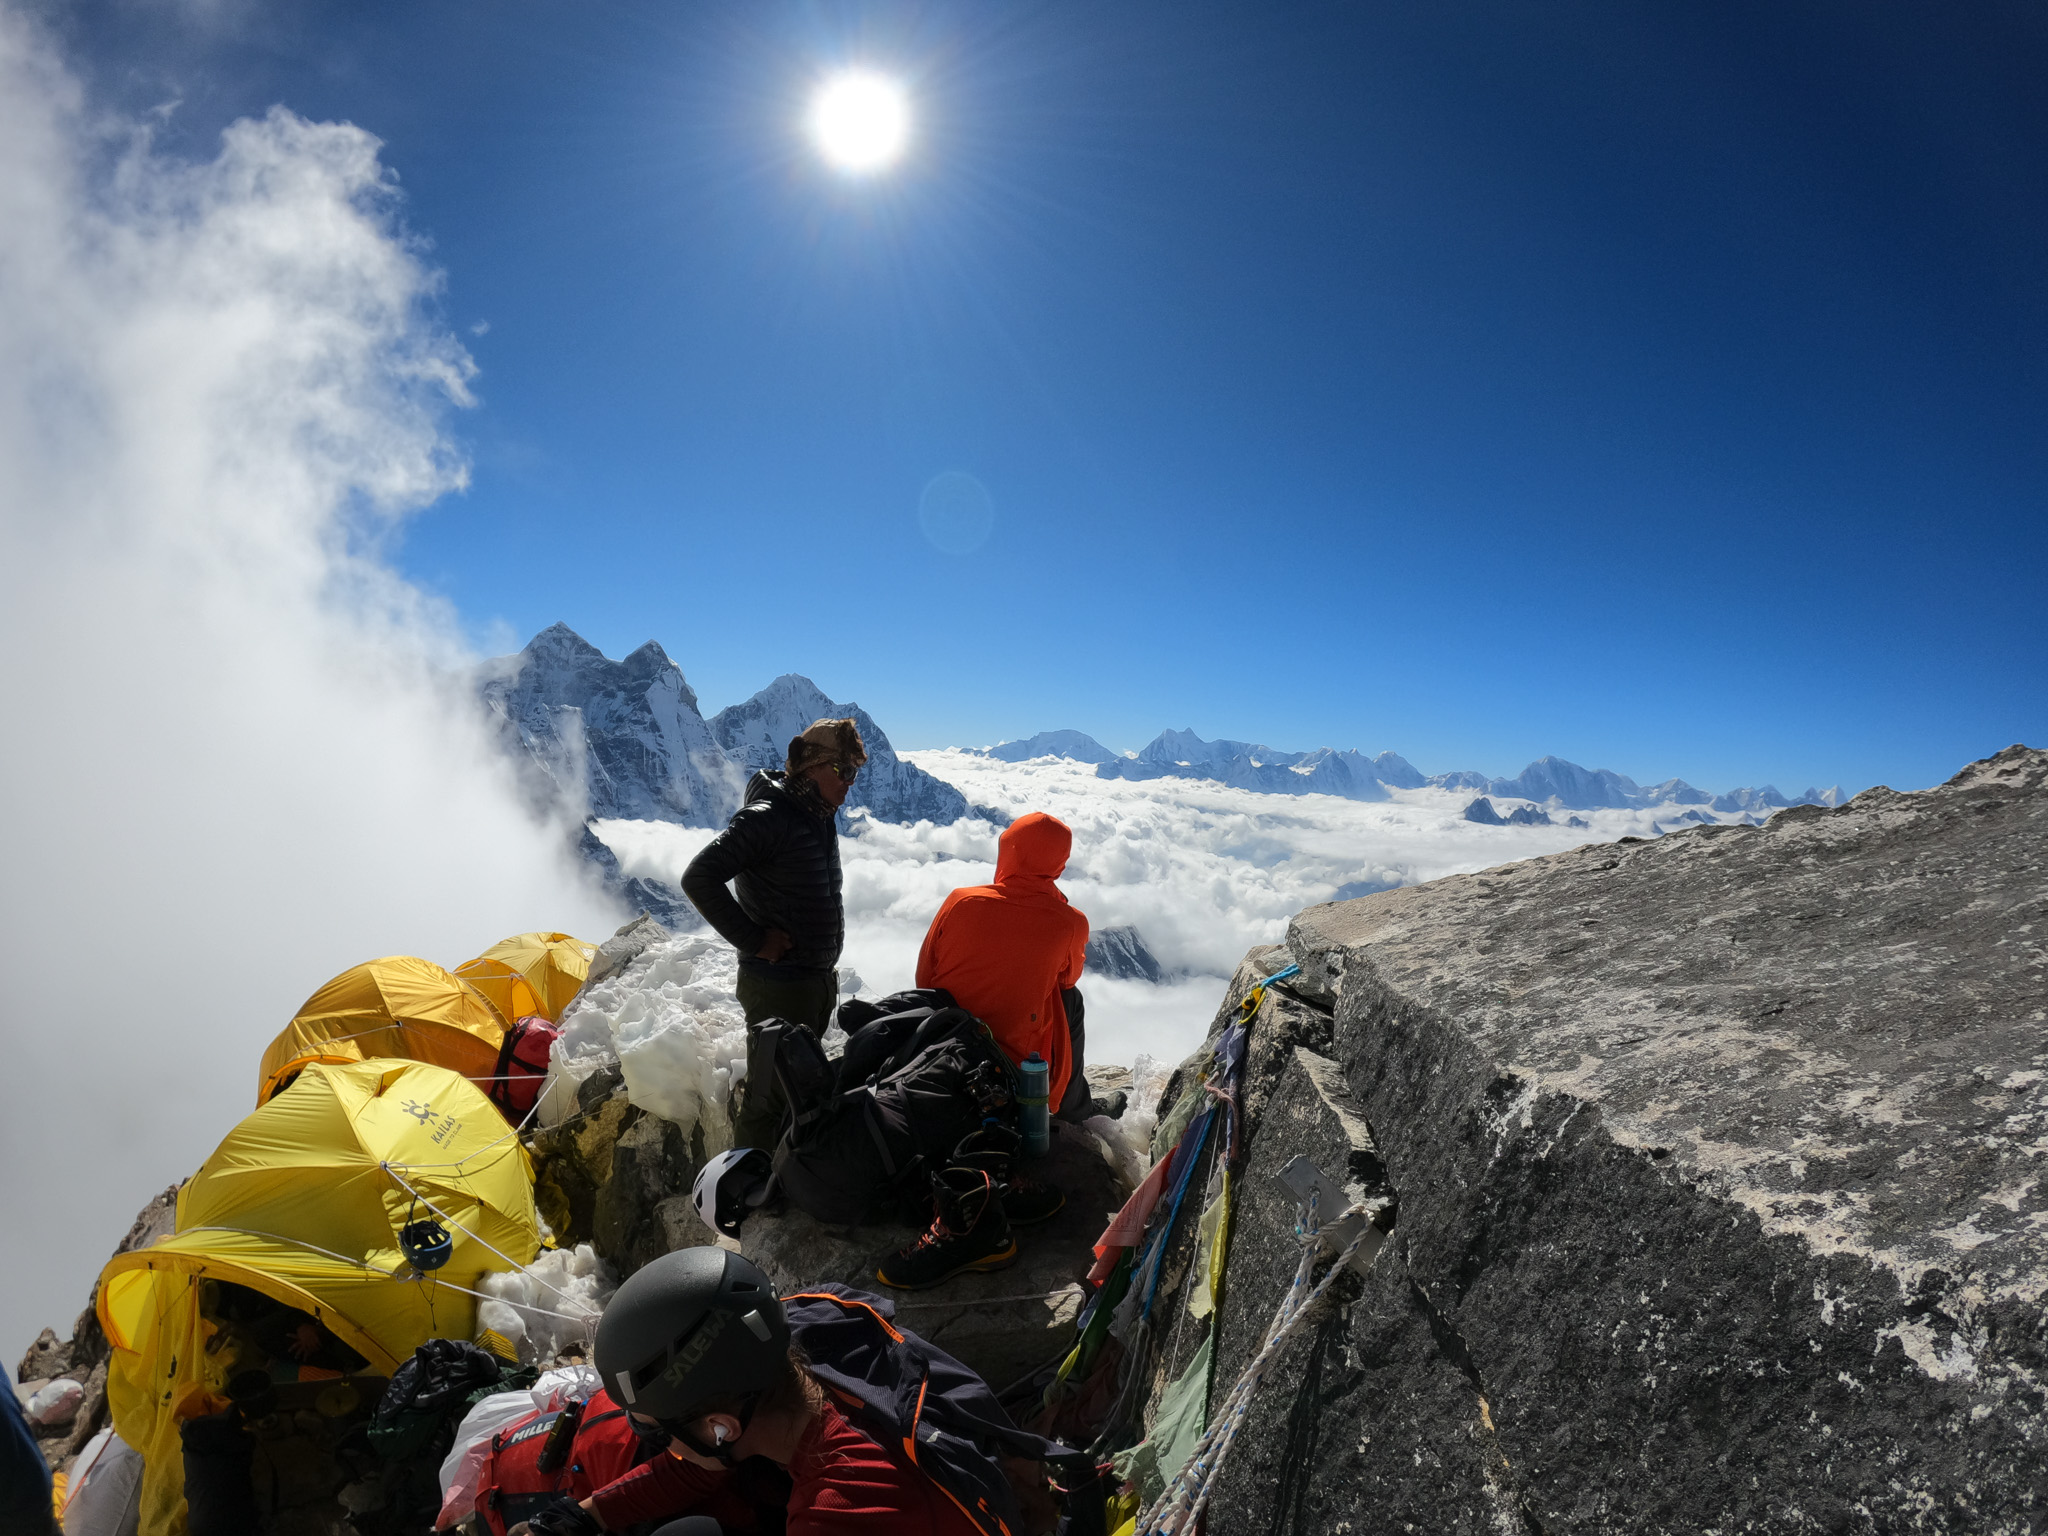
(694, 1327)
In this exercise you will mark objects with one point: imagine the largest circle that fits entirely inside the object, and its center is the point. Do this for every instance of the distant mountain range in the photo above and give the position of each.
(1354, 776)
(626, 739)
(598, 739)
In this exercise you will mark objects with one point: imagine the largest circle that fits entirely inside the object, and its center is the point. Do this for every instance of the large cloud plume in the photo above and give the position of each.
(234, 762)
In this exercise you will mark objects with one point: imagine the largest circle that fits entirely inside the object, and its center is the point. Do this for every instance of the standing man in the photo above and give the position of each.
(785, 915)
(1011, 955)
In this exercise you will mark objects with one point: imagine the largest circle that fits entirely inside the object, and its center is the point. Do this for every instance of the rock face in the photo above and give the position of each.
(611, 738)
(1122, 952)
(83, 1357)
(625, 739)
(1722, 1176)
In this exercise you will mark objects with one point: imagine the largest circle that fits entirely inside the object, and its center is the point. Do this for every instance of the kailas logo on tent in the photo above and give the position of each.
(420, 1112)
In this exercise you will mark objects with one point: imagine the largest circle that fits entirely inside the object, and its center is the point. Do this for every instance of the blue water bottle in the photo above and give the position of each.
(1032, 1100)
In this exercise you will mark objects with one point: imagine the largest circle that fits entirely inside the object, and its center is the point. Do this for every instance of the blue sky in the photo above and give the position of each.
(1662, 387)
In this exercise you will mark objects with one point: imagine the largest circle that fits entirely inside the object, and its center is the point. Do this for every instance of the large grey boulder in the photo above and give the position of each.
(1720, 1167)
(617, 1177)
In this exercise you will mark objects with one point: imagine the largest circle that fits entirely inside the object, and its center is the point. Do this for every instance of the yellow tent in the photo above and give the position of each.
(531, 973)
(398, 1006)
(304, 1201)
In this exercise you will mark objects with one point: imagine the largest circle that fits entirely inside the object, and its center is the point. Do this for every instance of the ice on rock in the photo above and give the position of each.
(554, 1302)
(670, 1023)
(1127, 1141)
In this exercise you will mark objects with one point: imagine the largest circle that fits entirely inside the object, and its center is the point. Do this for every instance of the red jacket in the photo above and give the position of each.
(845, 1485)
(1006, 951)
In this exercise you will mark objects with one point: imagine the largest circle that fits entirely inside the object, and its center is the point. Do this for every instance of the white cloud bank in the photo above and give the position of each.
(233, 764)
(1202, 871)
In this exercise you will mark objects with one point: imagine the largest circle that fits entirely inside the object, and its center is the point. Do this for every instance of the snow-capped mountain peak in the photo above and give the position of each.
(1078, 746)
(757, 733)
(610, 738)
(1549, 780)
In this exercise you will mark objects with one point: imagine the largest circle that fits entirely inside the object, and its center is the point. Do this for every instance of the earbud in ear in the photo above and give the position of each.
(718, 1434)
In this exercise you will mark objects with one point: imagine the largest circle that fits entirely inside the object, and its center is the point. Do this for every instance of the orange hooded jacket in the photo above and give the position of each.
(1006, 951)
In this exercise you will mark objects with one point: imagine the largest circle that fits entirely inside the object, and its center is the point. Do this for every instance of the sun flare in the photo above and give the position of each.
(860, 121)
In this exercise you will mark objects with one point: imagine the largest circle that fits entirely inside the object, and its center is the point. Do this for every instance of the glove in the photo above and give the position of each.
(563, 1516)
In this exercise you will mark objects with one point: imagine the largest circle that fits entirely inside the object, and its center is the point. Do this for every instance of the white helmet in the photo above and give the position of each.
(730, 1185)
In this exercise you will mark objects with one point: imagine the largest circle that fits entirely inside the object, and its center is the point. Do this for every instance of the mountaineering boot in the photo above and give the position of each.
(969, 1233)
(993, 1149)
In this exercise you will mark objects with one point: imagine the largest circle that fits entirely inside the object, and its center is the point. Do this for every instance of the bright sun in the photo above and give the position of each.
(860, 120)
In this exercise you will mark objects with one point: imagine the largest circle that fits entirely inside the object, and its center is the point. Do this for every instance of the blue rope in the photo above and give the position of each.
(1196, 1138)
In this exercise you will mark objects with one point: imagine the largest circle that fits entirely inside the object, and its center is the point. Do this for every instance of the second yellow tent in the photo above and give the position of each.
(531, 973)
(399, 1006)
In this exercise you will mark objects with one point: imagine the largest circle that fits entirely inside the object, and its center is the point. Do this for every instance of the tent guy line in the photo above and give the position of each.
(401, 1276)
(423, 1200)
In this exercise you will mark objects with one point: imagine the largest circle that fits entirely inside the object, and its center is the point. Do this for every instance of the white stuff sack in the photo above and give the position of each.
(463, 1469)
(104, 1495)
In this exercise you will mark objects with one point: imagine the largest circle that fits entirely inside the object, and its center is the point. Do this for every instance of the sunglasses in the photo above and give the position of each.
(846, 771)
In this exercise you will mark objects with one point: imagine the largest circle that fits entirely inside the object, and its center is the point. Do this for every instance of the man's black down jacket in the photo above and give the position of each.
(783, 860)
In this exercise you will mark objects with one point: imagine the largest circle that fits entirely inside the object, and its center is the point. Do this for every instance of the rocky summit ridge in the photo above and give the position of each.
(1721, 1170)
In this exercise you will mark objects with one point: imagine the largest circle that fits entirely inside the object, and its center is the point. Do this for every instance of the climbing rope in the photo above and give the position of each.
(399, 1273)
(989, 1301)
(1181, 1505)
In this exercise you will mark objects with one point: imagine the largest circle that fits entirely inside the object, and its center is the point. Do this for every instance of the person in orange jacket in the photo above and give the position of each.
(1011, 954)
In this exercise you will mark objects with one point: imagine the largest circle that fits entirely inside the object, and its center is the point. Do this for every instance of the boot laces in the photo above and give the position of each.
(938, 1232)
(934, 1235)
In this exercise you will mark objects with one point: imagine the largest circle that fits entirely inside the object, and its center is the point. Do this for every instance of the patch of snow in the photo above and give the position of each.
(670, 1022)
(553, 1303)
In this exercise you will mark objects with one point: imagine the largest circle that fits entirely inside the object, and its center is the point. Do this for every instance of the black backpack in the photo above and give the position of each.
(902, 1391)
(864, 1130)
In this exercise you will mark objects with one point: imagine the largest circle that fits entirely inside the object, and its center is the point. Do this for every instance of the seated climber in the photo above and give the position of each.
(1011, 954)
(822, 1385)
